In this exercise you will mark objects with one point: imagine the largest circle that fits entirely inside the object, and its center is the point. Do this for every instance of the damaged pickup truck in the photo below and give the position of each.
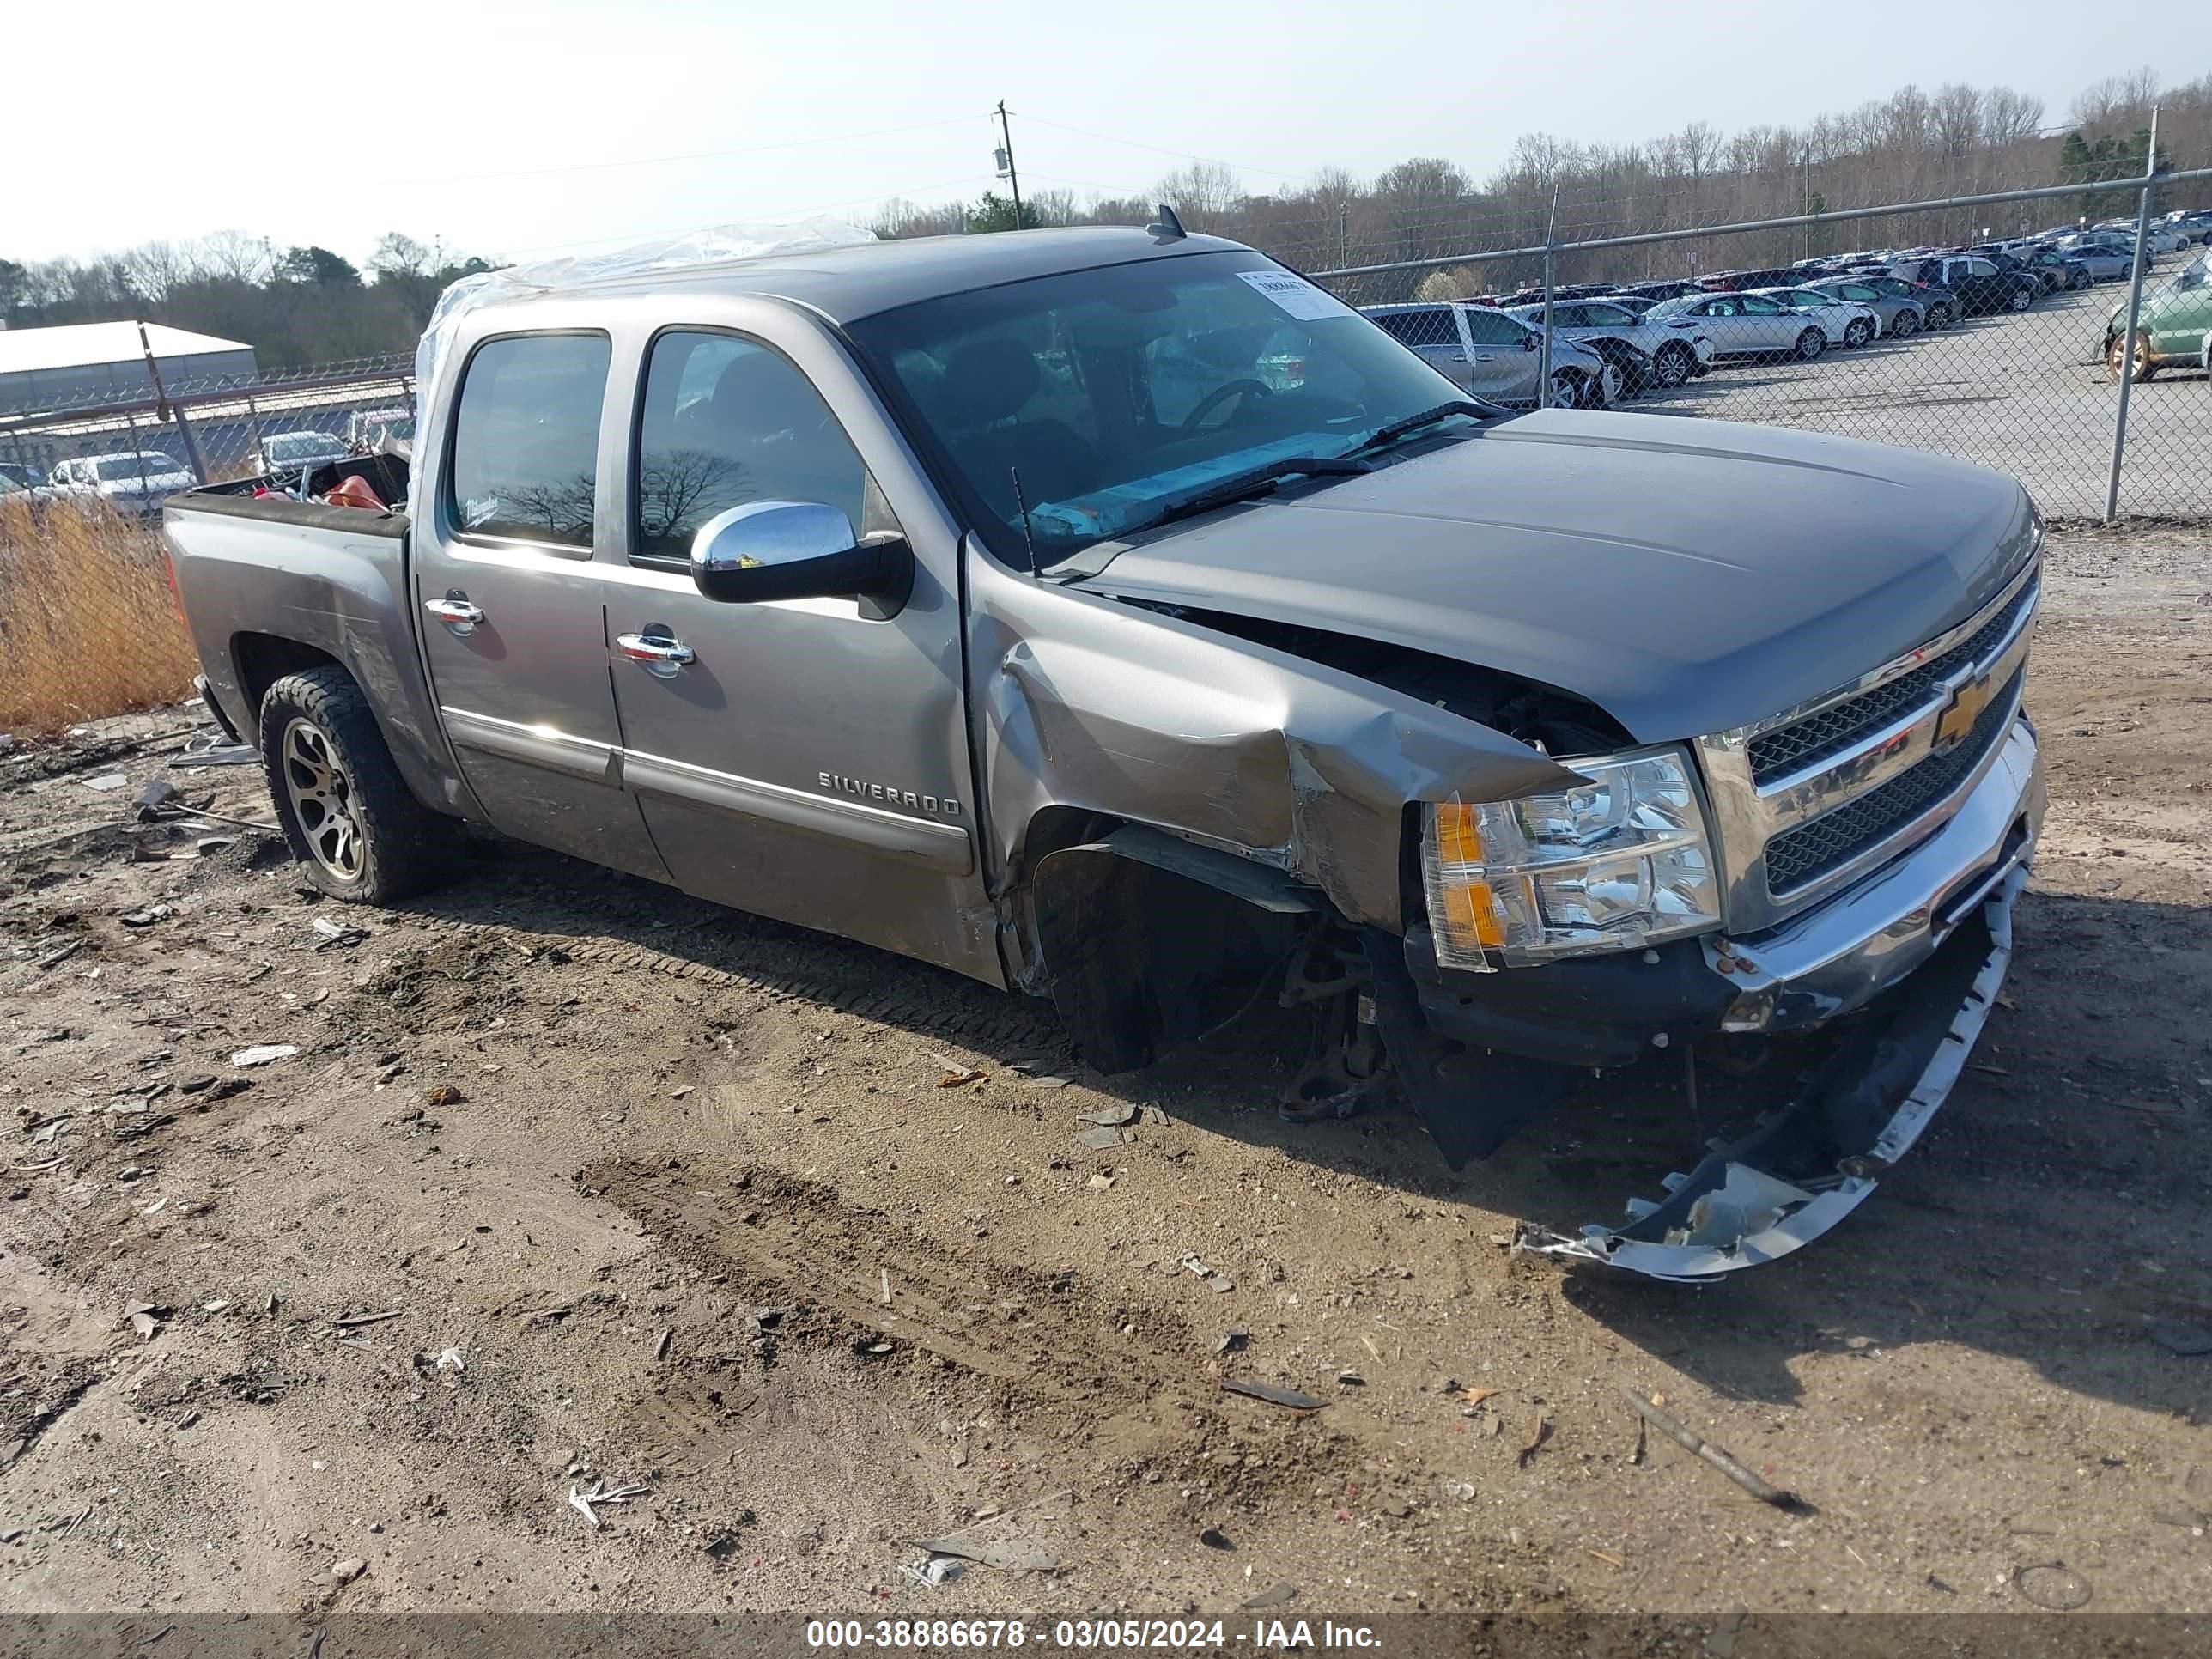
(1114, 616)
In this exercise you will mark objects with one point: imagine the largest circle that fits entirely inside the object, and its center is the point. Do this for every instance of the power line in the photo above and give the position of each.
(1180, 155)
(693, 155)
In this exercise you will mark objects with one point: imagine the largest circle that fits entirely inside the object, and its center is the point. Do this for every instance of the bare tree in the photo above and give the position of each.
(2009, 117)
(1207, 191)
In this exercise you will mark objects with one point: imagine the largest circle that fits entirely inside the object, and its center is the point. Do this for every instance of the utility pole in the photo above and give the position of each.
(1006, 162)
(1809, 201)
(2135, 312)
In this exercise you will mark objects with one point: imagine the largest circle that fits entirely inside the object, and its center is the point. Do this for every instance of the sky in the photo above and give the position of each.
(518, 131)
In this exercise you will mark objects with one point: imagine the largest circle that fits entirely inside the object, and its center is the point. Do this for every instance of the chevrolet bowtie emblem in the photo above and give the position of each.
(1958, 719)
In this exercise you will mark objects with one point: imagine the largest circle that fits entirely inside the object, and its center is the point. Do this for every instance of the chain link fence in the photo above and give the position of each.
(2007, 330)
(88, 624)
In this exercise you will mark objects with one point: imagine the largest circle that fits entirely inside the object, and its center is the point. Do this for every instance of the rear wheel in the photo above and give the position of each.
(1858, 333)
(1907, 324)
(1810, 344)
(346, 813)
(2079, 279)
(2020, 299)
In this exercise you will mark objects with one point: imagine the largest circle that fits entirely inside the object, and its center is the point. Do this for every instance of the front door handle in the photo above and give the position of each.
(658, 651)
(456, 612)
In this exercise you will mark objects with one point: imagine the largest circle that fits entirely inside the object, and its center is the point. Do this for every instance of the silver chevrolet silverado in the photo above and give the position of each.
(1114, 616)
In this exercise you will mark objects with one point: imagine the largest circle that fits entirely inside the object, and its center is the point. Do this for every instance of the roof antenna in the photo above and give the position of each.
(1022, 507)
(1167, 228)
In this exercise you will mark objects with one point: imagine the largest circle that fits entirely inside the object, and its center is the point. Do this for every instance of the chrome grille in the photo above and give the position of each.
(1799, 856)
(1823, 736)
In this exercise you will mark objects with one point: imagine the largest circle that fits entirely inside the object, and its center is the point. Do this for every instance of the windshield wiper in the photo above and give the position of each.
(1246, 486)
(1396, 429)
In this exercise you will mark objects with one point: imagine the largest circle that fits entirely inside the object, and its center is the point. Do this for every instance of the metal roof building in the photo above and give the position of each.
(52, 368)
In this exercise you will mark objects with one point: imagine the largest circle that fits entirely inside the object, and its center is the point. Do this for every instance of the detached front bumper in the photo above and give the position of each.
(1931, 933)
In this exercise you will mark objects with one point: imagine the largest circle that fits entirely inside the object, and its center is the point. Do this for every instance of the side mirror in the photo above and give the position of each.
(797, 551)
(1529, 342)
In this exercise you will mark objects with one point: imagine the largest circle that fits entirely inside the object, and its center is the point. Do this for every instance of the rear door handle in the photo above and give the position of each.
(656, 651)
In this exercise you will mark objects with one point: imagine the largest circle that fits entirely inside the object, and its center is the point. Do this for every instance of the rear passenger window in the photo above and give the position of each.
(526, 439)
(1492, 328)
(725, 422)
(1431, 327)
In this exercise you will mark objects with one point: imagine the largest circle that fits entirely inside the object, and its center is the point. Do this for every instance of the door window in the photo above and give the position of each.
(1428, 327)
(726, 421)
(1757, 305)
(526, 439)
(1605, 317)
(1492, 328)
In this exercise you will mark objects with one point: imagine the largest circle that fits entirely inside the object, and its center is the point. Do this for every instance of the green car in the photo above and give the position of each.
(2173, 330)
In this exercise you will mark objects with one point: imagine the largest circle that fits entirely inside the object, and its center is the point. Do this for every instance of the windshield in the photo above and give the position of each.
(1666, 308)
(1115, 391)
(113, 469)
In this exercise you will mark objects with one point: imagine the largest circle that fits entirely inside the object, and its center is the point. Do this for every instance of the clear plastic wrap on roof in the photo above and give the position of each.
(714, 244)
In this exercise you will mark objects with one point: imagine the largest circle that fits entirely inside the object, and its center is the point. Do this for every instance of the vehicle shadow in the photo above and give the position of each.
(2055, 1203)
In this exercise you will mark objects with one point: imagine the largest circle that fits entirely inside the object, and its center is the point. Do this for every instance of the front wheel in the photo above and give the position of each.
(1858, 333)
(346, 813)
(2142, 369)
(1673, 366)
(1810, 344)
(2019, 300)
(1907, 324)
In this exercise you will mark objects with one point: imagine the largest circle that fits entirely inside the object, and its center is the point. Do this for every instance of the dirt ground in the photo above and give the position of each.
(573, 1180)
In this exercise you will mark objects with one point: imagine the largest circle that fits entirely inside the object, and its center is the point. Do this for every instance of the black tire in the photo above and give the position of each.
(1858, 333)
(2078, 280)
(1810, 344)
(347, 814)
(1907, 324)
(2020, 299)
(1673, 366)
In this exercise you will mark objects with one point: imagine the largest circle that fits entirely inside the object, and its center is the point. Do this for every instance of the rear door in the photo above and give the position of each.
(805, 759)
(511, 624)
(1433, 334)
(1768, 325)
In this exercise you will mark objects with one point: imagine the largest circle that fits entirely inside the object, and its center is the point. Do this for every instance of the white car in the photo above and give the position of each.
(289, 451)
(2158, 236)
(1747, 325)
(132, 481)
(1677, 353)
(1845, 322)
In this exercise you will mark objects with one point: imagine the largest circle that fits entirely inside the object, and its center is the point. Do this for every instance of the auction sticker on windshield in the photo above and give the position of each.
(1296, 295)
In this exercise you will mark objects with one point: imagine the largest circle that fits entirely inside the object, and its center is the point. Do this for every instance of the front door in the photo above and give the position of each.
(511, 617)
(1501, 361)
(805, 759)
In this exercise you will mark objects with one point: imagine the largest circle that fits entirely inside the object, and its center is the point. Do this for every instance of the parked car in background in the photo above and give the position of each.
(288, 452)
(134, 481)
(1672, 288)
(1747, 325)
(2171, 327)
(2058, 270)
(23, 474)
(1636, 304)
(385, 431)
(2194, 223)
(2158, 236)
(1735, 281)
(1662, 357)
(2107, 259)
(1484, 351)
(1845, 322)
(1939, 306)
(1981, 287)
(1897, 315)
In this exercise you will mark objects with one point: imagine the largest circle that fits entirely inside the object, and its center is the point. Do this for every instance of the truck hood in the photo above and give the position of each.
(1688, 576)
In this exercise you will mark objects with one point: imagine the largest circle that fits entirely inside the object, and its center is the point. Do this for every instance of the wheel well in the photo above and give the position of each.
(265, 658)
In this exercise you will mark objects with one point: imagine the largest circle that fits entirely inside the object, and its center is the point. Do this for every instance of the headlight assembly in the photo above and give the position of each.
(1614, 864)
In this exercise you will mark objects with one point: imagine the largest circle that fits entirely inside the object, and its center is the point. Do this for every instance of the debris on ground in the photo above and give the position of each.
(1537, 1435)
(1273, 1393)
(1112, 1117)
(264, 1054)
(107, 781)
(992, 1542)
(2053, 1586)
(157, 794)
(1235, 1340)
(1682, 1436)
(1102, 1139)
(957, 1073)
(450, 1359)
(1275, 1596)
(148, 916)
(337, 935)
(586, 1502)
(145, 1318)
(349, 1569)
(937, 1571)
(1350, 1379)
(442, 1094)
(2177, 1336)
(351, 1321)
(1047, 1082)
(1100, 1183)
(1214, 1539)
